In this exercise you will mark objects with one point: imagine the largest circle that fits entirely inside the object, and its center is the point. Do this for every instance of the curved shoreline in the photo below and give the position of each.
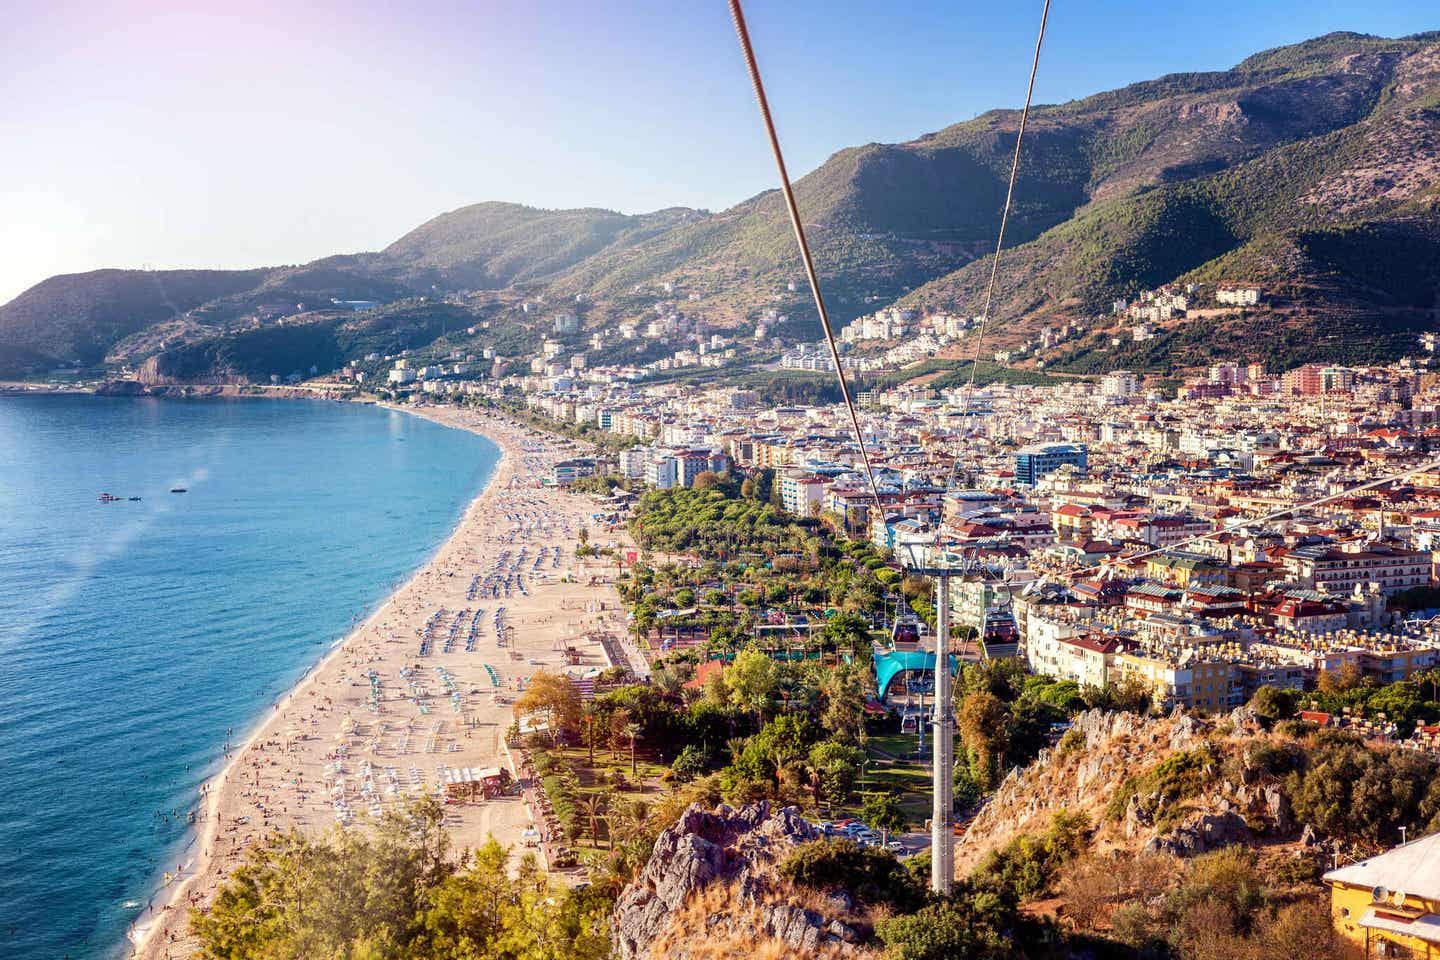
(560, 611)
(142, 937)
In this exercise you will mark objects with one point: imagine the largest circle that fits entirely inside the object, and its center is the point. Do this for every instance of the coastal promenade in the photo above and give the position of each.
(424, 685)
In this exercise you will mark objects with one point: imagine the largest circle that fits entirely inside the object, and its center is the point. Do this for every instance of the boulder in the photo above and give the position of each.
(1277, 807)
(1202, 833)
(1137, 818)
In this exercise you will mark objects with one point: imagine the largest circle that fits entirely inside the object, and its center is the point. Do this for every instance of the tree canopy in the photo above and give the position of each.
(391, 893)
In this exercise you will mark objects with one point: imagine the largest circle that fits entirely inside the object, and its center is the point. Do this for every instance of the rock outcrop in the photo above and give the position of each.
(1117, 745)
(1202, 832)
(712, 876)
(1230, 800)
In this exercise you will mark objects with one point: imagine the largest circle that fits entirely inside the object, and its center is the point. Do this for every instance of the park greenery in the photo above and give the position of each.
(723, 558)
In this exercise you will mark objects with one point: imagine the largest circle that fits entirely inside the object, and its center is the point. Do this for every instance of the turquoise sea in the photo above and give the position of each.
(133, 635)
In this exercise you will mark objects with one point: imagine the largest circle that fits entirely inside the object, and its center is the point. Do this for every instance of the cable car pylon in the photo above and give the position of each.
(942, 839)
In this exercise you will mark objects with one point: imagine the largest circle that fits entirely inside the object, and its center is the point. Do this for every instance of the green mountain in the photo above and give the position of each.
(79, 316)
(491, 245)
(1313, 169)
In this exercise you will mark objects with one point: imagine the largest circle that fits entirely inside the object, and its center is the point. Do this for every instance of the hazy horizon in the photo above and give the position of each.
(206, 138)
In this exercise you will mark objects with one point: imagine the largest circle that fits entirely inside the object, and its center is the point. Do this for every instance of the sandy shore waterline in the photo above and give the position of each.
(447, 708)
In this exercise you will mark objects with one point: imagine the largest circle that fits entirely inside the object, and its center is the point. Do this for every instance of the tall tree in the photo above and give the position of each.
(633, 731)
(593, 805)
(751, 680)
(619, 724)
(553, 695)
(983, 724)
(881, 811)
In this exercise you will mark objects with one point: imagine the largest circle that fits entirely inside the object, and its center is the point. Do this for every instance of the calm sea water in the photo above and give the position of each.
(133, 635)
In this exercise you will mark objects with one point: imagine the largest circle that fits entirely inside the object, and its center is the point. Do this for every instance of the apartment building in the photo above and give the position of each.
(1334, 569)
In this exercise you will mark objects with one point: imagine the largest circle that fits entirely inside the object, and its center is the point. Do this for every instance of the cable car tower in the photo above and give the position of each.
(943, 849)
(929, 560)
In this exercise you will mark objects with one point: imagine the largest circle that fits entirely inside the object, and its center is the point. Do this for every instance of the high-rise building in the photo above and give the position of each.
(1120, 383)
(1032, 463)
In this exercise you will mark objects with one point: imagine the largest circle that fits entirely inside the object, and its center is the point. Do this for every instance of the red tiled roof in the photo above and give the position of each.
(1101, 645)
(704, 672)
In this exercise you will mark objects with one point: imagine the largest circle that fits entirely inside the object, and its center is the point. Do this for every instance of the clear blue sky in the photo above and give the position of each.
(223, 134)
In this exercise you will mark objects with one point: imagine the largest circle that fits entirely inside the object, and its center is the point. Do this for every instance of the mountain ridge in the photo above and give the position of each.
(1325, 150)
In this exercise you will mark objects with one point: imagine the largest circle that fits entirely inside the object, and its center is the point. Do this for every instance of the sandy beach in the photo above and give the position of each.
(422, 686)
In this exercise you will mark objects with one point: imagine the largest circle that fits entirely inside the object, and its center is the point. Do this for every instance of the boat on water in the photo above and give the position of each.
(108, 498)
(133, 499)
(177, 489)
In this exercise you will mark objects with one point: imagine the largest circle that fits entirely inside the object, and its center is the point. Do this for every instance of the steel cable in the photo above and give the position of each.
(743, 33)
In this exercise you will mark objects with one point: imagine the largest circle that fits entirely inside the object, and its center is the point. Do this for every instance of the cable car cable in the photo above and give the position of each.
(788, 191)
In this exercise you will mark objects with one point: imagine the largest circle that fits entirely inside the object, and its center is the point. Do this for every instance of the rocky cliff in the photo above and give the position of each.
(710, 890)
(1179, 784)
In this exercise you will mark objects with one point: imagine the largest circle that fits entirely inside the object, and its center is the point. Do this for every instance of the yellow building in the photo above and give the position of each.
(1183, 569)
(1389, 905)
(1189, 681)
(1211, 682)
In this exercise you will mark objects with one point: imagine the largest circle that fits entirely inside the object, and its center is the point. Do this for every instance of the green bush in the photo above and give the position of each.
(1180, 776)
(1296, 729)
(1274, 758)
(1227, 878)
(690, 763)
(869, 874)
(947, 930)
(1072, 742)
(1350, 790)
(1025, 867)
(1271, 703)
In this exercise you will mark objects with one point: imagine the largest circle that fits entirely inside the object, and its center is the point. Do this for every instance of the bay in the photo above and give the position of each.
(137, 637)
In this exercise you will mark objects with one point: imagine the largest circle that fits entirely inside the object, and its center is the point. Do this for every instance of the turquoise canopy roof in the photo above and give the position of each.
(889, 665)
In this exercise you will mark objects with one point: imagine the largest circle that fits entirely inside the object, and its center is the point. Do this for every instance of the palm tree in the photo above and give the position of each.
(1432, 677)
(633, 730)
(593, 806)
(781, 756)
(590, 730)
(807, 776)
(619, 720)
(667, 680)
(633, 820)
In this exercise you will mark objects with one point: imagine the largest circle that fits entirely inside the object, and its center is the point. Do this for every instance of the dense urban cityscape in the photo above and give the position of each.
(1204, 541)
(1015, 538)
